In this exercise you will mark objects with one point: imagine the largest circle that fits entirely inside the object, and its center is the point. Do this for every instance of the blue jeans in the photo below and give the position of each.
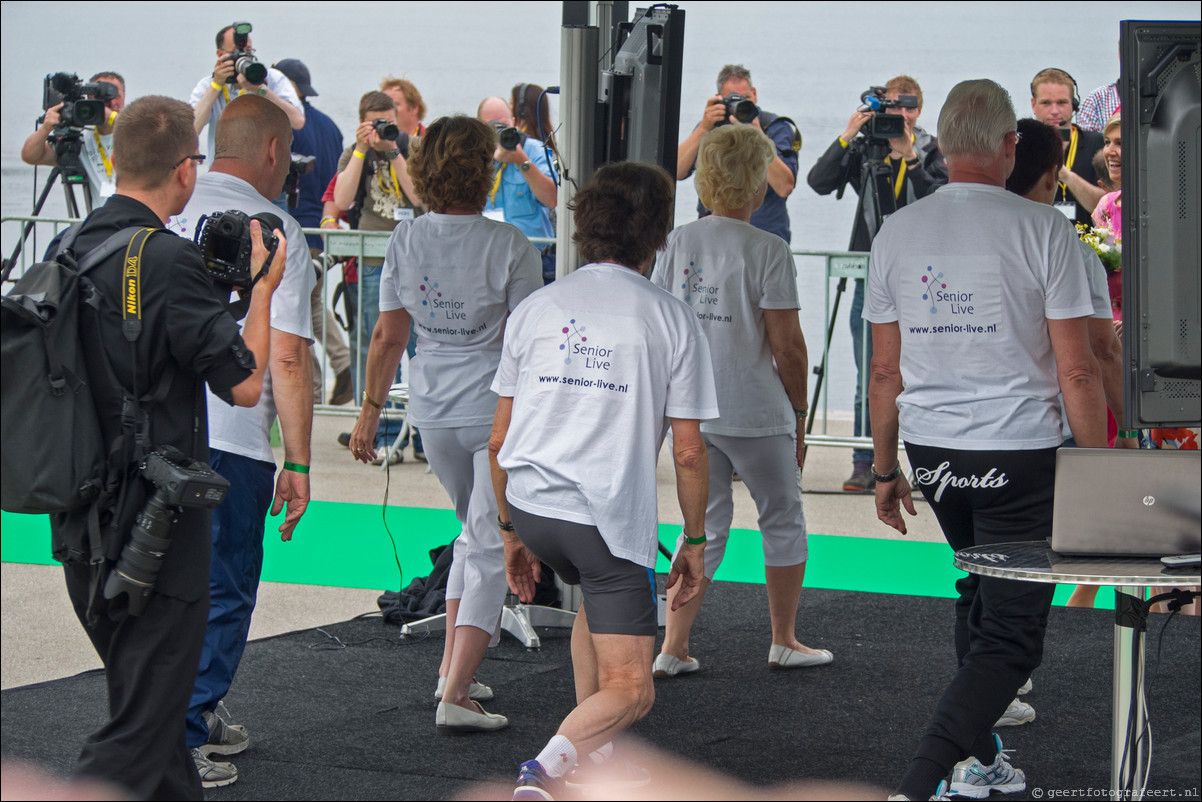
(233, 581)
(369, 313)
(860, 455)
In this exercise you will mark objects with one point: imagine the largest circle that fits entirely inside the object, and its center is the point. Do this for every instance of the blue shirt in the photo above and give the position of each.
(321, 138)
(516, 199)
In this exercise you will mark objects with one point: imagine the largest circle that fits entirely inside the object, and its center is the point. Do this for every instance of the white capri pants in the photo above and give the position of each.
(459, 458)
(768, 466)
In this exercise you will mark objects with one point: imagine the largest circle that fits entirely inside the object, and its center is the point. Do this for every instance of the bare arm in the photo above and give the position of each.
(781, 178)
(348, 180)
(884, 387)
(222, 70)
(788, 346)
(686, 151)
(1086, 193)
(388, 341)
(1108, 350)
(292, 388)
(296, 116)
(522, 568)
(36, 149)
(692, 490)
(1080, 381)
(256, 331)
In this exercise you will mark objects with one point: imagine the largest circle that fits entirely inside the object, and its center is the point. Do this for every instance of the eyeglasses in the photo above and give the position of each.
(199, 158)
(1018, 136)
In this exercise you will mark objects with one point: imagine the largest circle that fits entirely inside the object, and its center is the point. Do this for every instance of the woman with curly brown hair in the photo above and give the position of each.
(457, 275)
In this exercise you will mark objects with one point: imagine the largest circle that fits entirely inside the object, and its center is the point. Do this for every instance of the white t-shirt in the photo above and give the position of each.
(246, 430)
(276, 81)
(730, 272)
(458, 276)
(971, 274)
(596, 364)
(96, 155)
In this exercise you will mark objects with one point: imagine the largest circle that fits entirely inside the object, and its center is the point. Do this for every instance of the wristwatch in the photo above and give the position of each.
(392, 153)
(884, 478)
(524, 166)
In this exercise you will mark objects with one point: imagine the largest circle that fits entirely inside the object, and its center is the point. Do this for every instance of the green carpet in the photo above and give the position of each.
(346, 545)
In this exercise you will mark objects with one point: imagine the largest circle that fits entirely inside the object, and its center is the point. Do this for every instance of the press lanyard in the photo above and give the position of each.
(900, 181)
(496, 185)
(395, 189)
(1072, 157)
(104, 156)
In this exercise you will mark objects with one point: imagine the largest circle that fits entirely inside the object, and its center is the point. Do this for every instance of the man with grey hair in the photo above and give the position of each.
(980, 307)
(734, 86)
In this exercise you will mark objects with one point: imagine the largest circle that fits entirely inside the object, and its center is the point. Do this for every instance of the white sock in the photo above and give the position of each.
(558, 757)
(602, 753)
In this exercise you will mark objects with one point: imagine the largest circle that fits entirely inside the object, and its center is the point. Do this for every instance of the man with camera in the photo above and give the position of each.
(188, 339)
(374, 188)
(914, 168)
(1053, 101)
(96, 151)
(252, 159)
(238, 72)
(525, 192)
(737, 102)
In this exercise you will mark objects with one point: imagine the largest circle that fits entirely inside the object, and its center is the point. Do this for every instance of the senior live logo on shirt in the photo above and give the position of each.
(703, 297)
(596, 360)
(963, 300)
(444, 310)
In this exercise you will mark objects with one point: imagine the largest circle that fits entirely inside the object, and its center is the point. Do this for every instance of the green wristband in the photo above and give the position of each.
(694, 541)
(1125, 433)
(296, 468)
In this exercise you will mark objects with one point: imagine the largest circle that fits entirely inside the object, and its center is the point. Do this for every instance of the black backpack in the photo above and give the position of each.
(55, 458)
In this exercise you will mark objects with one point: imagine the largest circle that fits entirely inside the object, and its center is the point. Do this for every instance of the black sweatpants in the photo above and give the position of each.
(149, 667)
(981, 498)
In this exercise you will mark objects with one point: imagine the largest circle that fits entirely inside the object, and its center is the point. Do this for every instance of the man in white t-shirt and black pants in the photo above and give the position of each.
(979, 304)
(251, 161)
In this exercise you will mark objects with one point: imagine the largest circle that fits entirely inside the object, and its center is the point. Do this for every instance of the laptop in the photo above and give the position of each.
(1127, 502)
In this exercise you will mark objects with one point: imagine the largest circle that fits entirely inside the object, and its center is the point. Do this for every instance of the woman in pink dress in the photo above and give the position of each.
(1109, 211)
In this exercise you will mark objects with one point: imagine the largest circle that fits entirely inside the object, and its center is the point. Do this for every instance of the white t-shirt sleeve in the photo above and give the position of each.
(505, 381)
(390, 288)
(779, 288)
(1099, 290)
(290, 306)
(1066, 293)
(526, 275)
(879, 306)
(199, 91)
(279, 83)
(691, 390)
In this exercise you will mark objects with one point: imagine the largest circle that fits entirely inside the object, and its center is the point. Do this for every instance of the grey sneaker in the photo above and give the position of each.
(1018, 712)
(214, 774)
(224, 738)
(861, 480)
(972, 779)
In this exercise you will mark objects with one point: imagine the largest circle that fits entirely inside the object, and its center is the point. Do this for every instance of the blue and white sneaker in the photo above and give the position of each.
(534, 783)
(972, 779)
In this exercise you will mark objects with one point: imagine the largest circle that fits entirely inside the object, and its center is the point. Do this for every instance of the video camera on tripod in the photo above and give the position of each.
(884, 125)
(82, 105)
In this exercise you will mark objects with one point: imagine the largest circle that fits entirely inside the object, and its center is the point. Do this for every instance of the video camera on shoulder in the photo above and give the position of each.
(508, 136)
(884, 125)
(225, 243)
(245, 63)
(77, 112)
(179, 481)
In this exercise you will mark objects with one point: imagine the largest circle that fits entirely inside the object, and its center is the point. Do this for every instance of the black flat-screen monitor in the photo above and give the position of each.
(1160, 91)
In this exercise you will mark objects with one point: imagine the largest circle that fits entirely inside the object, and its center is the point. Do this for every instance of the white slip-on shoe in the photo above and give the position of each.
(454, 720)
(667, 665)
(477, 691)
(784, 657)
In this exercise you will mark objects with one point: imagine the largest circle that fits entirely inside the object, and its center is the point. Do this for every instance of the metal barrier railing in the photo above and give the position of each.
(338, 245)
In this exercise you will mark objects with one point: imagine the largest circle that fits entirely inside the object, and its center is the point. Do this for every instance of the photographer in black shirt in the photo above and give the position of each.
(188, 339)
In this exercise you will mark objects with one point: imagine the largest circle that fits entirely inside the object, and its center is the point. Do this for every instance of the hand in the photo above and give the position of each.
(801, 445)
(515, 156)
(223, 69)
(291, 489)
(689, 570)
(903, 147)
(715, 112)
(258, 255)
(890, 496)
(522, 568)
(1126, 442)
(1118, 328)
(1063, 175)
(363, 436)
(53, 117)
(366, 138)
(855, 123)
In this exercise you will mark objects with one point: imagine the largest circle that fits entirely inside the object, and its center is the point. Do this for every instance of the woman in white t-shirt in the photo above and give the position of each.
(741, 283)
(457, 275)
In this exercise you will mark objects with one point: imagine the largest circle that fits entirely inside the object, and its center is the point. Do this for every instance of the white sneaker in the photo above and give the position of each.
(667, 665)
(1026, 688)
(972, 779)
(213, 773)
(1018, 712)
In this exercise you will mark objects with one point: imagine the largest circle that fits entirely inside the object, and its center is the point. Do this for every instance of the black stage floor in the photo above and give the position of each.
(358, 722)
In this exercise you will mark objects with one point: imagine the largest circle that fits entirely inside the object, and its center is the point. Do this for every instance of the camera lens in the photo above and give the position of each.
(255, 72)
(386, 130)
(509, 138)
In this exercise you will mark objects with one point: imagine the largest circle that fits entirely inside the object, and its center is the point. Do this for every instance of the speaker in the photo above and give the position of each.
(1160, 89)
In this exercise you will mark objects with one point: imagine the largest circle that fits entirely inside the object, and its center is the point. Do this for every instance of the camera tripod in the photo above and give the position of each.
(67, 146)
(877, 202)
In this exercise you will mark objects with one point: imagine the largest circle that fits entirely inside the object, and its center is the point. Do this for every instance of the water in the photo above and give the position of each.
(809, 61)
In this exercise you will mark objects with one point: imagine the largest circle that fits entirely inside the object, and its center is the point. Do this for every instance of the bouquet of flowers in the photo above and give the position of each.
(1108, 248)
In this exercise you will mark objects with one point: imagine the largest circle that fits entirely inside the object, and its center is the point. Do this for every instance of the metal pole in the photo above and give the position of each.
(578, 77)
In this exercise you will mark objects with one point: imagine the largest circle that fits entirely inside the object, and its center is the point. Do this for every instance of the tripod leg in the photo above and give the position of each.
(37, 209)
(820, 371)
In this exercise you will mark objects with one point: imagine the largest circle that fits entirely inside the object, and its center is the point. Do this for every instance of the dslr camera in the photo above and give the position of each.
(300, 165)
(884, 125)
(225, 244)
(741, 107)
(77, 112)
(245, 63)
(508, 136)
(179, 482)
